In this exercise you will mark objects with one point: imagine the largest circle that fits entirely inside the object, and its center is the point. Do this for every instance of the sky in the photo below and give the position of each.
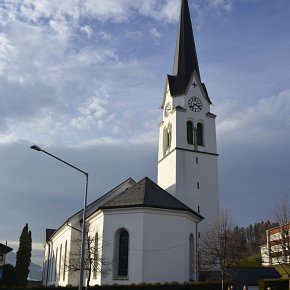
(84, 80)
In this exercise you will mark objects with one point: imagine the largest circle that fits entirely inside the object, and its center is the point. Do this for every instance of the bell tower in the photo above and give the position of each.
(187, 154)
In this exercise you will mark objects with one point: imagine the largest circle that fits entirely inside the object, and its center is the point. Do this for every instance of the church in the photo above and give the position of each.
(143, 232)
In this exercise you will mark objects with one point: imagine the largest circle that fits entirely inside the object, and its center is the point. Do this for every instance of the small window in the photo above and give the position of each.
(191, 258)
(196, 160)
(96, 256)
(165, 140)
(64, 261)
(59, 263)
(189, 128)
(1, 257)
(199, 134)
(169, 138)
(55, 266)
(51, 262)
(198, 185)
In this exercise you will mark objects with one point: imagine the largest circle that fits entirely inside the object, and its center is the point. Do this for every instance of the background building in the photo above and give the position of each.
(277, 249)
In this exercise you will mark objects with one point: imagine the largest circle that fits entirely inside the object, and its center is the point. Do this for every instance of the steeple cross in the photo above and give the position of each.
(194, 84)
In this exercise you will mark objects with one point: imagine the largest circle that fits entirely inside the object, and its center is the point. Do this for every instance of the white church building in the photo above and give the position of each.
(142, 231)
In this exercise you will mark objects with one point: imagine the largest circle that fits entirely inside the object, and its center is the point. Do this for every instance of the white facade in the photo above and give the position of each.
(160, 237)
(189, 171)
(277, 249)
(156, 237)
(159, 234)
(58, 252)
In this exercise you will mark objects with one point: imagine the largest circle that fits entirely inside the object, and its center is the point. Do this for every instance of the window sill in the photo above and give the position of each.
(121, 278)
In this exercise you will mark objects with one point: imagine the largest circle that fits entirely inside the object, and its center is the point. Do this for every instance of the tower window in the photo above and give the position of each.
(165, 140)
(196, 160)
(167, 137)
(189, 128)
(199, 134)
(197, 185)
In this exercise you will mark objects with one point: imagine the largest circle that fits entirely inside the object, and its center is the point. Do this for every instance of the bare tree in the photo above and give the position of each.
(94, 262)
(282, 212)
(278, 240)
(218, 246)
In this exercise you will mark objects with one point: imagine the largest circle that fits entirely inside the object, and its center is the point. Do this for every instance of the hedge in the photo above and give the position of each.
(171, 286)
(274, 284)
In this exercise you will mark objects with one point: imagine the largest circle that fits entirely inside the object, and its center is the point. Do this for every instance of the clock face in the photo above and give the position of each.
(195, 104)
(167, 109)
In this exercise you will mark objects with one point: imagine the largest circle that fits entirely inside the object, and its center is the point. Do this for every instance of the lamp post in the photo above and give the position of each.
(37, 148)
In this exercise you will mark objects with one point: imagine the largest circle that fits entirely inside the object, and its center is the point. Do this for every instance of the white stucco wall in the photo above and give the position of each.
(158, 244)
(166, 246)
(95, 225)
(193, 182)
(132, 221)
(54, 259)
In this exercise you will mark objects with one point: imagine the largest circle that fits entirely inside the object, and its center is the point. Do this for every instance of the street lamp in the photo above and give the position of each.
(37, 148)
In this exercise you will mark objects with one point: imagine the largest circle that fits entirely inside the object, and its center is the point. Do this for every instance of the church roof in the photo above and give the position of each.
(4, 249)
(49, 233)
(147, 193)
(185, 59)
(129, 194)
(92, 207)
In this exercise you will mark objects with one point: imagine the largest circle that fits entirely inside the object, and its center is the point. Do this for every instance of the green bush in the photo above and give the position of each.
(274, 284)
(158, 286)
(9, 275)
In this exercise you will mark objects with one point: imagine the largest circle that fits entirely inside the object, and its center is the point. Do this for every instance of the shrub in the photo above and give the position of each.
(9, 275)
(277, 284)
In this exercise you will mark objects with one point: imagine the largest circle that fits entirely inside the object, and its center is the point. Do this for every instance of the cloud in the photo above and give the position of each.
(87, 29)
(43, 12)
(155, 33)
(105, 35)
(36, 246)
(264, 122)
(225, 5)
(7, 52)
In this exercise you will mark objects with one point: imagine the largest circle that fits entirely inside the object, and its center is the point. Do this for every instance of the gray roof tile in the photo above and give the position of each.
(147, 193)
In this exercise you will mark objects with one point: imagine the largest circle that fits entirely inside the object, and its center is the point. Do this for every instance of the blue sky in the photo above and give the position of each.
(84, 80)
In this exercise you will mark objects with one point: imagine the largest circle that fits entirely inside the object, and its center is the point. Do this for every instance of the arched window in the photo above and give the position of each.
(64, 261)
(51, 262)
(122, 251)
(189, 129)
(59, 263)
(96, 256)
(165, 140)
(55, 266)
(199, 134)
(169, 135)
(191, 258)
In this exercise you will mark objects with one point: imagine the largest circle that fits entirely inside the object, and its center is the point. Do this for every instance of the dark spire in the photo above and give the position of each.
(185, 59)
